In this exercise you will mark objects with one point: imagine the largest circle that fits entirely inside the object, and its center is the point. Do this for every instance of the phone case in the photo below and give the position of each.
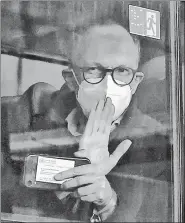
(30, 171)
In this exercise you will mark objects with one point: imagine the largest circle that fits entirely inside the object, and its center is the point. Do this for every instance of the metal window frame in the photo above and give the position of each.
(177, 108)
(177, 102)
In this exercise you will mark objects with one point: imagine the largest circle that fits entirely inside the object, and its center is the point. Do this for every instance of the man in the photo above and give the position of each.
(103, 76)
(101, 82)
(104, 64)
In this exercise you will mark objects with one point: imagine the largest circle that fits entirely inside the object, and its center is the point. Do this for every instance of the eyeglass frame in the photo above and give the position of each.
(105, 70)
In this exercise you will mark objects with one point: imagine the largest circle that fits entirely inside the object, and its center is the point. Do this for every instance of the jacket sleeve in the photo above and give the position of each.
(34, 103)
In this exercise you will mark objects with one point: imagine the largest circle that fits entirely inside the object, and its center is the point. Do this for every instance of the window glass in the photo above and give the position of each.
(8, 75)
(43, 121)
(37, 71)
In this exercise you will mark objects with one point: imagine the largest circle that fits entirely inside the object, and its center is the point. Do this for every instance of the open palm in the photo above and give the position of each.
(94, 142)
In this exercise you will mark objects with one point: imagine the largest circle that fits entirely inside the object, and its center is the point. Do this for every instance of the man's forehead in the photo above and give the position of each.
(112, 54)
(107, 47)
(111, 61)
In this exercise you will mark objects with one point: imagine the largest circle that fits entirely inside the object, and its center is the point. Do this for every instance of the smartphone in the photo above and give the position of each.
(39, 170)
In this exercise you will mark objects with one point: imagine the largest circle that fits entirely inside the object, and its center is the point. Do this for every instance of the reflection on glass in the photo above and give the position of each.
(52, 123)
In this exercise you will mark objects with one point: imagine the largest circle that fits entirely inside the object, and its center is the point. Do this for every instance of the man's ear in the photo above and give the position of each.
(70, 79)
(138, 77)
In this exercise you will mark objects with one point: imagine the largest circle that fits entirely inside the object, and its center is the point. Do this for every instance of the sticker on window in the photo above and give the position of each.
(144, 22)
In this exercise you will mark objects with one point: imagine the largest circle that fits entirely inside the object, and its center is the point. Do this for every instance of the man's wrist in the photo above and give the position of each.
(107, 209)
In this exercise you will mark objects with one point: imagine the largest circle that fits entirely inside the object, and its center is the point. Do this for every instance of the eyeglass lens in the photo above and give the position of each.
(120, 75)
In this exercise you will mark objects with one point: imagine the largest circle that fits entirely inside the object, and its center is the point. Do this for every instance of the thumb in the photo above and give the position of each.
(120, 151)
(81, 153)
(62, 194)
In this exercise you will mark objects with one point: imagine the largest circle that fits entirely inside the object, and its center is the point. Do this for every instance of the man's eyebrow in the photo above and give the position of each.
(100, 66)
(95, 65)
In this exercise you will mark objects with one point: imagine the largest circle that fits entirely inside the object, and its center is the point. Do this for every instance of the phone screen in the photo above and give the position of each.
(48, 167)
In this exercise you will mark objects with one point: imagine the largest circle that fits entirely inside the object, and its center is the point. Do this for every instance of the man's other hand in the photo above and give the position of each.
(91, 188)
(90, 179)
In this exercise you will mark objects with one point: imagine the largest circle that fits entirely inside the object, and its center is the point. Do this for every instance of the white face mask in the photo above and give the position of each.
(89, 94)
(120, 96)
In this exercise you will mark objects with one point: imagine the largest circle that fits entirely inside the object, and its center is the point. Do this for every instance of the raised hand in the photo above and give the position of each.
(94, 142)
(90, 180)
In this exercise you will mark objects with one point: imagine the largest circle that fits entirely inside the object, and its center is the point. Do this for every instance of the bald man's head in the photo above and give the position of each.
(108, 45)
(104, 64)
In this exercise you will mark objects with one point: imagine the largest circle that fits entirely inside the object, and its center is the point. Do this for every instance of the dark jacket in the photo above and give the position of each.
(141, 178)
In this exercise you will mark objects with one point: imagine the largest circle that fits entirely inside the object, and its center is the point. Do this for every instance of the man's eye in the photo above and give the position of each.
(122, 71)
(93, 70)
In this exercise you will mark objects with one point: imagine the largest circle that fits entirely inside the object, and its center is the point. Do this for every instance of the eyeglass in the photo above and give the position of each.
(120, 75)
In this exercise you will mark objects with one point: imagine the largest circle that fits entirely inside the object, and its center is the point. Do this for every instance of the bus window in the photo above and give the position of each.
(61, 58)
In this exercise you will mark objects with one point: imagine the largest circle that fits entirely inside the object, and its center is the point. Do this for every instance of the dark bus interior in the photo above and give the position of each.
(43, 31)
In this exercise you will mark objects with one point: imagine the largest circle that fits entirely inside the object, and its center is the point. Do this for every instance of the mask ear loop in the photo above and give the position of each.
(79, 107)
(75, 77)
(77, 84)
(72, 70)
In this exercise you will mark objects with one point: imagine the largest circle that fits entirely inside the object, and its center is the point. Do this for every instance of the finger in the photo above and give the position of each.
(89, 198)
(109, 120)
(105, 114)
(84, 191)
(90, 123)
(76, 171)
(107, 106)
(75, 207)
(98, 114)
(62, 195)
(120, 151)
(78, 181)
(81, 153)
